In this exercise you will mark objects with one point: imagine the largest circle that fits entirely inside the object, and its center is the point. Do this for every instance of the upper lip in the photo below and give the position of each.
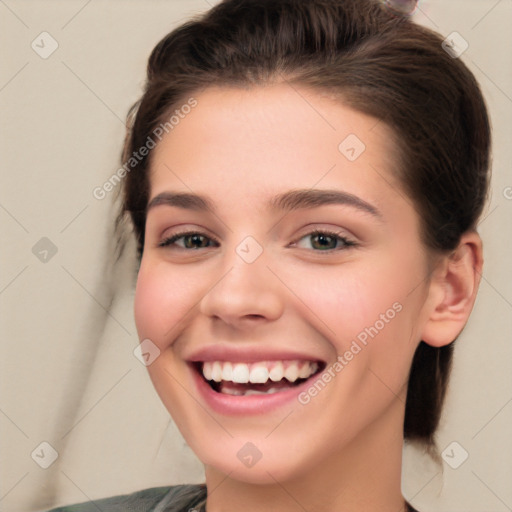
(247, 354)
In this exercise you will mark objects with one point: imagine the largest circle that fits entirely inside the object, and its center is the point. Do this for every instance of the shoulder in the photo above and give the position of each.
(156, 499)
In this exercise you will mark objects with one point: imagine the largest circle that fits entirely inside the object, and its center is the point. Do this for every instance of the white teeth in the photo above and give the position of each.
(227, 371)
(248, 392)
(240, 373)
(254, 392)
(304, 371)
(207, 370)
(258, 373)
(291, 373)
(271, 391)
(277, 372)
(307, 370)
(217, 371)
(236, 392)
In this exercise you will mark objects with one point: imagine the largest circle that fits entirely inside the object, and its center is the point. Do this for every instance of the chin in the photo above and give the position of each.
(262, 462)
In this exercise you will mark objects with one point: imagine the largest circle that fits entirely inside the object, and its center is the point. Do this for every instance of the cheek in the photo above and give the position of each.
(371, 305)
(369, 319)
(163, 301)
(351, 298)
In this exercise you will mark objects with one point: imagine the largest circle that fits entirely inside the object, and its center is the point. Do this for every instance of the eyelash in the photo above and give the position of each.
(166, 242)
(346, 242)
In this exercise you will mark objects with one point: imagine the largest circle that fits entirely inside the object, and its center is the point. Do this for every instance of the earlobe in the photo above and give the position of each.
(453, 290)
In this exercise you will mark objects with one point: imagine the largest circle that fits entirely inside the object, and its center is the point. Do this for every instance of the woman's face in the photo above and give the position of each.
(279, 246)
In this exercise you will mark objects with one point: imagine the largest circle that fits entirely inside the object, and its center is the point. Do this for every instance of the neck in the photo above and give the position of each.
(364, 475)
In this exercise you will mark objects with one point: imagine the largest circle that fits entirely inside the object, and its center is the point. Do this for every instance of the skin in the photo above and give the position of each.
(240, 147)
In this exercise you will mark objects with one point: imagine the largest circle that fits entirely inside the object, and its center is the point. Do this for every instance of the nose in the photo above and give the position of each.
(246, 295)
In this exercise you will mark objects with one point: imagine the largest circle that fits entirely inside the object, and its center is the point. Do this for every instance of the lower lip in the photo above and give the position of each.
(253, 404)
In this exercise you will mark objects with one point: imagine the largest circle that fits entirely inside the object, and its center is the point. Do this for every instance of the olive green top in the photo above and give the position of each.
(179, 498)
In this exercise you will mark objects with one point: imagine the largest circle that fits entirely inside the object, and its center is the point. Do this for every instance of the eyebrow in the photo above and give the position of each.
(313, 198)
(288, 201)
(182, 200)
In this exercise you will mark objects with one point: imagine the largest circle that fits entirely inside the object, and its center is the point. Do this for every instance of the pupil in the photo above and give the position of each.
(195, 242)
(324, 241)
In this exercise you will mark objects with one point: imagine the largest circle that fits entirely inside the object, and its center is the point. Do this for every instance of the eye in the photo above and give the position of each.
(324, 241)
(189, 240)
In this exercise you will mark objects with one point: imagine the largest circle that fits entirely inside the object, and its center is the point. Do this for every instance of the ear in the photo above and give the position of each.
(452, 291)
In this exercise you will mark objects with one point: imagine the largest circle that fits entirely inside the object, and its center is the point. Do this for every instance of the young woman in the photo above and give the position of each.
(304, 179)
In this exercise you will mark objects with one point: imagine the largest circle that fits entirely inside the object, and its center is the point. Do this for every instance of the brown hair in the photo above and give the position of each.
(379, 63)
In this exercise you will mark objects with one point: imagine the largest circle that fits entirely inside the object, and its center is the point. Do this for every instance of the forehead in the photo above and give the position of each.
(259, 140)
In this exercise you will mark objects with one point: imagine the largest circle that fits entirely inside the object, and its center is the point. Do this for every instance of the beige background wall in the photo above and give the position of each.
(68, 373)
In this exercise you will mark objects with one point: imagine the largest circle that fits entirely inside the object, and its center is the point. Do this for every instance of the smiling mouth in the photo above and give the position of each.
(258, 378)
